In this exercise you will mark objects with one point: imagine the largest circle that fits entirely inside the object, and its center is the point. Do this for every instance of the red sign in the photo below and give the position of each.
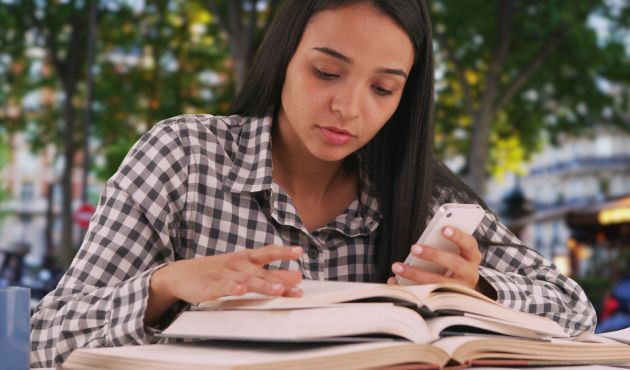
(83, 215)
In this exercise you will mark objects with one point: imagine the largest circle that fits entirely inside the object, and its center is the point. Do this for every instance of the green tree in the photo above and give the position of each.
(4, 157)
(25, 77)
(511, 70)
(181, 58)
(153, 63)
(62, 30)
(244, 22)
(14, 64)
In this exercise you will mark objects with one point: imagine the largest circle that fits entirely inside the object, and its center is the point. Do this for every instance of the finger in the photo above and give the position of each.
(260, 280)
(239, 266)
(240, 270)
(290, 279)
(221, 289)
(417, 275)
(459, 266)
(468, 246)
(392, 280)
(258, 285)
(294, 291)
(267, 254)
(287, 277)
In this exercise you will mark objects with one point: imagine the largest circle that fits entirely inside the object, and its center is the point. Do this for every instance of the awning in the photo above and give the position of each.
(610, 213)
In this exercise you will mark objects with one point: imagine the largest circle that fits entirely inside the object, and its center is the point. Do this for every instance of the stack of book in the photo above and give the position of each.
(342, 325)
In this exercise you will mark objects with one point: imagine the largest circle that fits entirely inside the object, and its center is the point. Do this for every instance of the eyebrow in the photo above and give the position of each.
(347, 60)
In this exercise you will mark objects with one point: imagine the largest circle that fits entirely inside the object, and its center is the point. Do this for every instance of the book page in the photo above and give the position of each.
(467, 348)
(435, 297)
(213, 354)
(553, 330)
(440, 324)
(316, 294)
(429, 290)
(464, 304)
(622, 335)
(302, 324)
(223, 356)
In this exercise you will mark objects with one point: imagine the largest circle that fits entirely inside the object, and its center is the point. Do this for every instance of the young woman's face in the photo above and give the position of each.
(344, 81)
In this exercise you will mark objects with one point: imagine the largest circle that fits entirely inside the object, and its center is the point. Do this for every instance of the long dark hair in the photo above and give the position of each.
(399, 160)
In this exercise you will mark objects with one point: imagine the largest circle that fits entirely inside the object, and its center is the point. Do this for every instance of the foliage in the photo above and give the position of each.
(509, 72)
(14, 63)
(167, 58)
(153, 60)
(153, 64)
(4, 158)
(512, 71)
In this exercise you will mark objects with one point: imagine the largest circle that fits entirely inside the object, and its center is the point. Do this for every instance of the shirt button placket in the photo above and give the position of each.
(313, 252)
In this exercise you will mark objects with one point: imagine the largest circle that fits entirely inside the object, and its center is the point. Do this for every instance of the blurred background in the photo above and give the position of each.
(532, 110)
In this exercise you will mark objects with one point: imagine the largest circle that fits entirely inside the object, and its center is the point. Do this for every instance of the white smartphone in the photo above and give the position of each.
(465, 217)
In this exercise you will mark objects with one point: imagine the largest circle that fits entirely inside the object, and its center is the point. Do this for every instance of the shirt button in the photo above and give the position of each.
(313, 253)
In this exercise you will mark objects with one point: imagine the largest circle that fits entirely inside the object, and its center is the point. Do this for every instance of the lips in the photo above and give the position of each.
(335, 136)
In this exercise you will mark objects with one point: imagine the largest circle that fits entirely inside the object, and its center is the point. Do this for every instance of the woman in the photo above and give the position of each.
(325, 170)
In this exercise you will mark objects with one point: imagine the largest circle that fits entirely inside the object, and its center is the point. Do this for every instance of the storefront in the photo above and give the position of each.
(601, 233)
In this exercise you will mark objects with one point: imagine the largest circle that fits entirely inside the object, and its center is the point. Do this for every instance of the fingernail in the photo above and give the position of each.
(416, 249)
(277, 287)
(296, 291)
(239, 289)
(448, 231)
(397, 268)
(297, 251)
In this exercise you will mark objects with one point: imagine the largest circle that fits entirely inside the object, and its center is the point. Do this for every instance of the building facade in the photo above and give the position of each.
(33, 200)
(580, 173)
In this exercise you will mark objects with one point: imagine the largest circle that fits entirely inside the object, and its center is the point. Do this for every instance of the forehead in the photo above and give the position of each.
(362, 33)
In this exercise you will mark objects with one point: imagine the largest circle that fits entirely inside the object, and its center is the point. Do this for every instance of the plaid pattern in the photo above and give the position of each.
(198, 185)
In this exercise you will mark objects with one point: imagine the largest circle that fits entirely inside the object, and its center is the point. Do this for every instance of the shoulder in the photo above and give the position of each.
(206, 130)
(198, 125)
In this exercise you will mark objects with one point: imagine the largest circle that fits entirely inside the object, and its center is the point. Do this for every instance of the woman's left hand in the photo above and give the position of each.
(464, 268)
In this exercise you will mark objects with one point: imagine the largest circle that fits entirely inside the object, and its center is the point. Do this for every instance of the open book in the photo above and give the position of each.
(321, 314)
(456, 351)
(429, 298)
(344, 322)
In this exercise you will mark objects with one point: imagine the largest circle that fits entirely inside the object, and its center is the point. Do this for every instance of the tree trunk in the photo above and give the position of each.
(241, 32)
(68, 69)
(67, 249)
(477, 158)
(50, 218)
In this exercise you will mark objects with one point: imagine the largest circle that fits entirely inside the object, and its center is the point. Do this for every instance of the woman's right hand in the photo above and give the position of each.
(206, 278)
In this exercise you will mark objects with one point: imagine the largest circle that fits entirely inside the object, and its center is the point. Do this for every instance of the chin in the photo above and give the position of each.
(332, 155)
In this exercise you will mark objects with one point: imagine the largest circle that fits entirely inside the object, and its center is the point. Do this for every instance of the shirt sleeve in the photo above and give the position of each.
(101, 299)
(523, 279)
(526, 281)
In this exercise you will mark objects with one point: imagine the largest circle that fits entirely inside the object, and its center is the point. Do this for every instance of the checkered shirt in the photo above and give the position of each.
(199, 185)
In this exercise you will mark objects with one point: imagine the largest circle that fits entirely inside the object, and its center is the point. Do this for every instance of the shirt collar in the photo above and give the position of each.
(252, 172)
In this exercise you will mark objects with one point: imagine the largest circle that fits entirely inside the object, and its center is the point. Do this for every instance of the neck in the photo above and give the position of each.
(301, 174)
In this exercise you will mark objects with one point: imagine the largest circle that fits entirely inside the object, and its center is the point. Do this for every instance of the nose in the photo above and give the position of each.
(346, 102)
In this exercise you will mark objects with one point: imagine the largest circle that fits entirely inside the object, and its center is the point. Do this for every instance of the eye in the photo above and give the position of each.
(381, 91)
(324, 75)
